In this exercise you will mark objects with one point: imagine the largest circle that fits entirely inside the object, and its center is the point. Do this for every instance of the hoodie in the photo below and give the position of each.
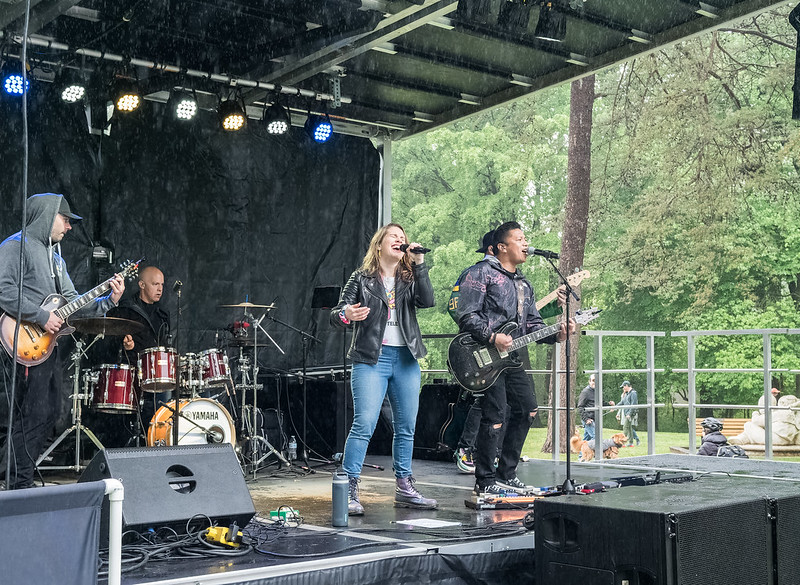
(45, 271)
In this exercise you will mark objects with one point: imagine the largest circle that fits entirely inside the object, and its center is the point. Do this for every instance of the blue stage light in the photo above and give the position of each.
(319, 128)
(12, 84)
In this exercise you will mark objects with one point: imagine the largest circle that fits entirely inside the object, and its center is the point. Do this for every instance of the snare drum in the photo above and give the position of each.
(212, 424)
(113, 390)
(157, 369)
(213, 367)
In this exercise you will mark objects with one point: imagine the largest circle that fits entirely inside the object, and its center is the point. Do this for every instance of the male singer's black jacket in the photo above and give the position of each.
(369, 291)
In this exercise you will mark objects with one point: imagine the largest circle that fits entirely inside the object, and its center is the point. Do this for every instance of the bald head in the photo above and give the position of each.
(151, 284)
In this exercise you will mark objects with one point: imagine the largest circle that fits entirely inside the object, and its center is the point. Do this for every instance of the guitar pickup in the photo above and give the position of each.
(482, 357)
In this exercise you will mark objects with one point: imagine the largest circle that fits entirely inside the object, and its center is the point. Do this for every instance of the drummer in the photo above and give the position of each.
(145, 307)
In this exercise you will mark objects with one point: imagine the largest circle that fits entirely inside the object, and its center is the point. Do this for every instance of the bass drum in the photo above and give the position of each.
(208, 423)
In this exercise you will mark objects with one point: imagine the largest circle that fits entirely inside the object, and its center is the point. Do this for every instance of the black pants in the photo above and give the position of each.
(36, 405)
(471, 425)
(514, 390)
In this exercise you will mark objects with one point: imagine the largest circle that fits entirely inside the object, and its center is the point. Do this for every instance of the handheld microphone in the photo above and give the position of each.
(415, 250)
(177, 286)
(542, 253)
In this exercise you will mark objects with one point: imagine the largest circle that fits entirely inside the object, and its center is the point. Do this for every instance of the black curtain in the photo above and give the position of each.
(232, 216)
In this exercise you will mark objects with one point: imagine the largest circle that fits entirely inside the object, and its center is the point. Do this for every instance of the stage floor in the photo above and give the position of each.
(452, 541)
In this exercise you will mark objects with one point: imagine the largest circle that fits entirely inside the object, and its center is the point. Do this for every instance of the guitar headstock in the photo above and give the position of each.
(577, 278)
(130, 269)
(585, 316)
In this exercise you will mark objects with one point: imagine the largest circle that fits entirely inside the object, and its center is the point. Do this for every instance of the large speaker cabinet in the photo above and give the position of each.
(665, 534)
(167, 486)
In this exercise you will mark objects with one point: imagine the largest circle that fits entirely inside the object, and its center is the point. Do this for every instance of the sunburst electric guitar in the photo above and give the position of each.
(476, 366)
(35, 344)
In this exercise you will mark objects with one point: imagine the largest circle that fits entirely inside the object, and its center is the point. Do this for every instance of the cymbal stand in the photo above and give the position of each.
(256, 440)
(77, 424)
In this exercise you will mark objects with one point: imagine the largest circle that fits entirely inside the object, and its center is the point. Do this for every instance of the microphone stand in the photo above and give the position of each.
(568, 487)
(177, 392)
(305, 337)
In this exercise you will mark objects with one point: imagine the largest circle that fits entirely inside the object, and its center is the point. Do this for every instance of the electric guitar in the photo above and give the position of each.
(35, 344)
(572, 280)
(476, 366)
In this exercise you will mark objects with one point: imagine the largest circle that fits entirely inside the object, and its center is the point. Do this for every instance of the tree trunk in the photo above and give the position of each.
(573, 243)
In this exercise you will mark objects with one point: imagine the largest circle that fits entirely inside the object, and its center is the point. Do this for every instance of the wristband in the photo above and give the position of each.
(343, 316)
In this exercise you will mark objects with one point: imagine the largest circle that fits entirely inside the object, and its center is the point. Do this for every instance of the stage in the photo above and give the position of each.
(651, 530)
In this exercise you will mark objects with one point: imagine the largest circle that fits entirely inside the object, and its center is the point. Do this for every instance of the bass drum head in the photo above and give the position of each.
(209, 423)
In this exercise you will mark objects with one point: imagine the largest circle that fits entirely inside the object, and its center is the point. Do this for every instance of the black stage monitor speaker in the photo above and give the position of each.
(167, 486)
(666, 534)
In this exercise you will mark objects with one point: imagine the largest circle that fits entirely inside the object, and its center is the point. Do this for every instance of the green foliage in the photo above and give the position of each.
(695, 203)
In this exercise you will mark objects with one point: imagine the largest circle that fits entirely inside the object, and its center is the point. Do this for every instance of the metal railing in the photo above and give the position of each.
(650, 405)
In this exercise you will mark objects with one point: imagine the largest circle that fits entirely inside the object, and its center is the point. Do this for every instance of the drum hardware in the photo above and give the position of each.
(77, 399)
(261, 447)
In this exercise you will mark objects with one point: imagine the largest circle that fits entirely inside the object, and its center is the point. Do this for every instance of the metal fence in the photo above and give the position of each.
(650, 405)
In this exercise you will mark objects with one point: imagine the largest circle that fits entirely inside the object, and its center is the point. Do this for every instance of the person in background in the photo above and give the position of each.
(629, 417)
(380, 302)
(586, 405)
(713, 438)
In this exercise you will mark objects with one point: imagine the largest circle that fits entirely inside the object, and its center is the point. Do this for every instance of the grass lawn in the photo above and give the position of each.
(663, 441)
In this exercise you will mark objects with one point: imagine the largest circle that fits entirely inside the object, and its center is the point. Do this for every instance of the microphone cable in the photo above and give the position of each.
(23, 233)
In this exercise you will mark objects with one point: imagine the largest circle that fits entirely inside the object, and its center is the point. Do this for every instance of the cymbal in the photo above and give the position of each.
(107, 326)
(248, 306)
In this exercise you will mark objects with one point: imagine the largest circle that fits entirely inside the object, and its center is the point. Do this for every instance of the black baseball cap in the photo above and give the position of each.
(65, 210)
(486, 241)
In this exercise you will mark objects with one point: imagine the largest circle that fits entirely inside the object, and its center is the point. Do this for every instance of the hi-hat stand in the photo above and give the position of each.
(77, 408)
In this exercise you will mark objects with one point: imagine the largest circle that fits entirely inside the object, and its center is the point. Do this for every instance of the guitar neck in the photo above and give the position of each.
(83, 300)
(542, 333)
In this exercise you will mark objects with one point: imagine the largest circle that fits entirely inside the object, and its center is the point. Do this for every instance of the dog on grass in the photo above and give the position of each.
(586, 448)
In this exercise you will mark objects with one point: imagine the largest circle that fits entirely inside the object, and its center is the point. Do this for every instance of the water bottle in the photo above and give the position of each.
(292, 448)
(340, 497)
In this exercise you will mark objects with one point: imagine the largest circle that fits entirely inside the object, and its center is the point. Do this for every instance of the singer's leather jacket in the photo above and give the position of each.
(369, 291)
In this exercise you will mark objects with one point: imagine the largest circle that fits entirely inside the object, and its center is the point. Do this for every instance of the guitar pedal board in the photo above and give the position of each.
(509, 501)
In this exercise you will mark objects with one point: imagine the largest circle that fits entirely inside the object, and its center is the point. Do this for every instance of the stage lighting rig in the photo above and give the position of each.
(552, 25)
(232, 115)
(514, 15)
(126, 95)
(182, 104)
(277, 119)
(13, 80)
(319, 128)
(72, 85)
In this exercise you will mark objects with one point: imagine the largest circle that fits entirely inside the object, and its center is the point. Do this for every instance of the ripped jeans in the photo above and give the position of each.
(515, 389)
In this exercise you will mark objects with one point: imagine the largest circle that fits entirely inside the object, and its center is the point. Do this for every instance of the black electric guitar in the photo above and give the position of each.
(35, 344)
(476, 366)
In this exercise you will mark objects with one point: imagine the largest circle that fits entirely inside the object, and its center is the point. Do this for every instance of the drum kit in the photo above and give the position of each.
(200, 377)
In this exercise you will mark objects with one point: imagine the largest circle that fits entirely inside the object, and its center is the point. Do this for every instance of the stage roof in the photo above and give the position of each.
(394, 67)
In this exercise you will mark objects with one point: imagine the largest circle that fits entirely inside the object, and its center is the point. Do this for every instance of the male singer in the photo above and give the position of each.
(493, 293)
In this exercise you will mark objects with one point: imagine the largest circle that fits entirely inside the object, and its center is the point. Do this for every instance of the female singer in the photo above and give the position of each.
(379, 302)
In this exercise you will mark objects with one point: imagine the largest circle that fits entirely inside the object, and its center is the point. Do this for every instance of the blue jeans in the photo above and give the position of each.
(397, 375)
(588, 431)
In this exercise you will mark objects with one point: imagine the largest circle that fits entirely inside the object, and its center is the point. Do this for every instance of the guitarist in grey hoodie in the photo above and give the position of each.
(48, 220)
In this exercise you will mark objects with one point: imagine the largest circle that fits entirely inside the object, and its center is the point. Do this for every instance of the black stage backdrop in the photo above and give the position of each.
(233, 216)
